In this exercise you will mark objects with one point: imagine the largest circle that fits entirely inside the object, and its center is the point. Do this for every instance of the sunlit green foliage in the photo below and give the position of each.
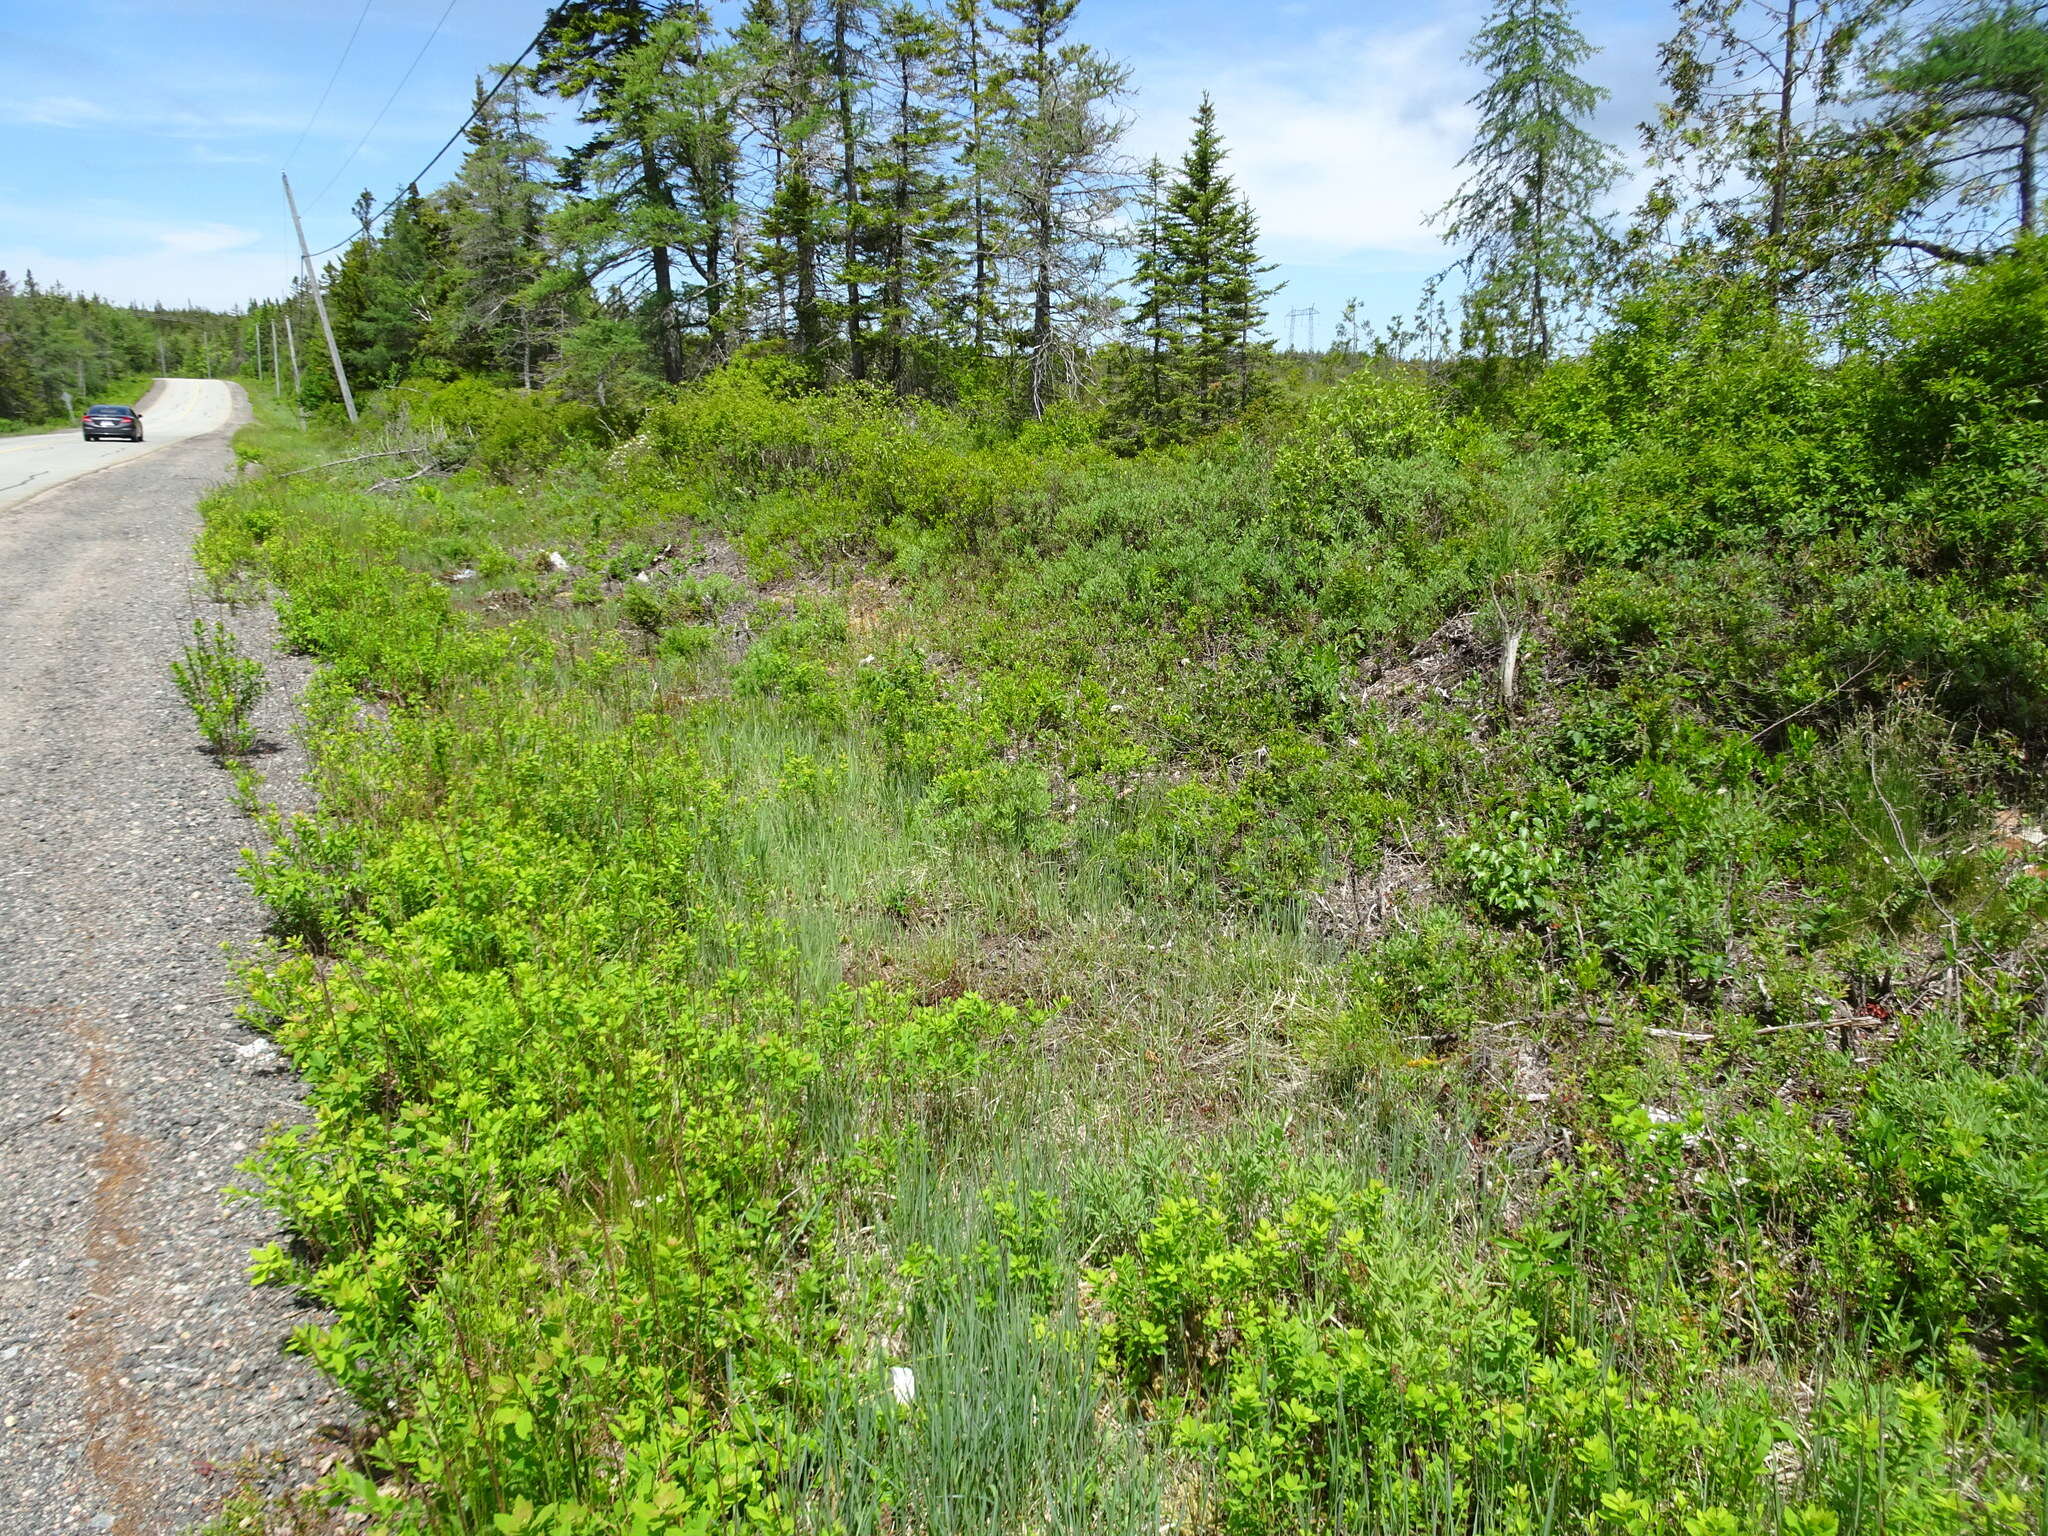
(860, 969)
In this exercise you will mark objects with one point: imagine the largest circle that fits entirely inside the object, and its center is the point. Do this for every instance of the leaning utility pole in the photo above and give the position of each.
(348, 399)
(298, 384)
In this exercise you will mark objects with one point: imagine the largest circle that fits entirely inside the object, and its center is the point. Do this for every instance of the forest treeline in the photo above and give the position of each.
(935, 197)
(62, 351)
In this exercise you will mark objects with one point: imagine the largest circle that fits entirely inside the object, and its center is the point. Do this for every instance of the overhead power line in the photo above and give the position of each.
(421, 174)
(346, 48)
(388, 100)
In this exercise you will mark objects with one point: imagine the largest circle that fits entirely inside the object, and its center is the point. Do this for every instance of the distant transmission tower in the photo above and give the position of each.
(1307, 317)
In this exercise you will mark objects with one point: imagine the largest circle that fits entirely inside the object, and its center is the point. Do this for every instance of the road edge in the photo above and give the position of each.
(239, 415)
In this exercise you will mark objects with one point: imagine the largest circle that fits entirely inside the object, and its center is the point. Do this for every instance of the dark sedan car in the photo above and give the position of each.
(113, 421)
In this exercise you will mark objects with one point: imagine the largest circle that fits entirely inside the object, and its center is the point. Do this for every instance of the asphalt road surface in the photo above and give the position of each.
(138, 1369)
(175, 411)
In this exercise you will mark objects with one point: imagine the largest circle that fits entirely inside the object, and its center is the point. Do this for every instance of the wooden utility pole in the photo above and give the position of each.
(298, 385)
(348, 399)
(276, 362)
(160, 365)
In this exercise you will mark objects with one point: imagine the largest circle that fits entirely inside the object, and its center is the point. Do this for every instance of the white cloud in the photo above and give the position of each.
(214, 279)
(206, 154)
(112, 251)
(54, 112)
(1344, 145)
(145, 113)
(198, 239)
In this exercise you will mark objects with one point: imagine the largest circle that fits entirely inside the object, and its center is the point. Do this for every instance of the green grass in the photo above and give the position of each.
(1096, 936)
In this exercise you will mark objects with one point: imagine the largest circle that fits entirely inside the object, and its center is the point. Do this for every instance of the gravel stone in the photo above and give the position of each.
(137, 1365)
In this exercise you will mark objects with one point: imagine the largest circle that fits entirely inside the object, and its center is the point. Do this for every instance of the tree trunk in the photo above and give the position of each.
(655, 188)
(1538, 306)
(810, 335)
(1781, 170)
(1041, 276)
(809, 332)
(842, 65)
(896, 294)
(2030, 145)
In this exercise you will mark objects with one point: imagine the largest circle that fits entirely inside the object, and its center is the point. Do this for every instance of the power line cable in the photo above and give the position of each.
(421, 175)
(388, 100)
(346, 49)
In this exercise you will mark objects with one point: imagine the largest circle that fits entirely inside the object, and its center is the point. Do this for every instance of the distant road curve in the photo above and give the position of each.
(174, 411)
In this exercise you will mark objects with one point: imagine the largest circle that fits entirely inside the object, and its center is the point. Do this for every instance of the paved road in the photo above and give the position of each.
(174, 411)
(136, 1365)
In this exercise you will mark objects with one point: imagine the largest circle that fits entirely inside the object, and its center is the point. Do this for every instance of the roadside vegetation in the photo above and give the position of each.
(923, 920)
(1403, 969)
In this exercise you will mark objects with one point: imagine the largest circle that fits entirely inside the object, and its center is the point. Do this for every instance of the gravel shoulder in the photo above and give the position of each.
(137, 1366)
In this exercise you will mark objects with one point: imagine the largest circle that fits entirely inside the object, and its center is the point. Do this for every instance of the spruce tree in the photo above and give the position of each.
(979, 99)
(591, 52)
(791, 103)
(1058, 169)
(493, 211)
(694, 85)
(403, 271)
(849, 19)
(1153, 326)
(1192, 335)
(1527, 216)
(913, 208)
(1211, 240)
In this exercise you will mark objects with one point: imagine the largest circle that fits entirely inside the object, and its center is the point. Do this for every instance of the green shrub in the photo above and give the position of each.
(1330, 471)
(221, 684)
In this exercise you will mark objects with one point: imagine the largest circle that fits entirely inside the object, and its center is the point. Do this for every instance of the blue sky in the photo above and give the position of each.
(141, 140)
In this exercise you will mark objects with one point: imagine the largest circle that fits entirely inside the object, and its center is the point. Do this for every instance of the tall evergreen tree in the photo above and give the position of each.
(915, 214)
(848, 23)
(793, 109)
(1059, 172)
(1152, 328)
(1200, 298)
(626, 212)
(493, 212)
(693, 83)
(383, 296)
(1212, 239)
(1526, 217)
(979, 93)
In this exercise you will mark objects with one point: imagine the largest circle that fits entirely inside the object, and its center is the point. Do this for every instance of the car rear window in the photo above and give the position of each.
(111, 410)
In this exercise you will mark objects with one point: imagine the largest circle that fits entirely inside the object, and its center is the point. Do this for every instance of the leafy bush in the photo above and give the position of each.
(222, 684)
(1330, 471)
(1607, 1104)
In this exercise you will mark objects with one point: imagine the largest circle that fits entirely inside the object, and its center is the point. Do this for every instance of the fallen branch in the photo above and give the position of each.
(395, 453)
(1854, 1021)
(385, 485)
(1831, 694)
